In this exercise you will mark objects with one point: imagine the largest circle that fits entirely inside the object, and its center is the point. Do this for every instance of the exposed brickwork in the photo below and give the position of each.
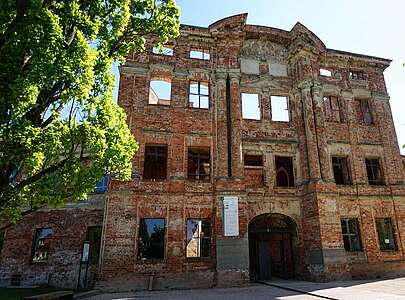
(316, 203)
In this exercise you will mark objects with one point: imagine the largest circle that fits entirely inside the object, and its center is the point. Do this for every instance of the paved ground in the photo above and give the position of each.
(393, 289)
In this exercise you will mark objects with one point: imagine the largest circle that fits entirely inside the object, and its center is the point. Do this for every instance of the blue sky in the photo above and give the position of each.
(371, 27)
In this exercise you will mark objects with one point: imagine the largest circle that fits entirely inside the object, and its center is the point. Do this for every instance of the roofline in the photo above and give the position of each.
(358, 55)
(192, 26)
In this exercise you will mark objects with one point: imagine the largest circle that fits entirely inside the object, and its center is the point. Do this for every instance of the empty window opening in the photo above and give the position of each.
(160, 92)
(199, 94)
(279, 109)
(94, 238)
(350, 233)
(198, 238)
(250, 106)
(164, 50)
(197, 53)
(253, 160)
(151, 240)
(364, 115)
(357, 75)
(155, 164)
(333, 110)
(374, 173)
(325, 72)
(385, 233)
(199, 164)
(341, 170)
(41, 247)
(284, 171)
(2, 234)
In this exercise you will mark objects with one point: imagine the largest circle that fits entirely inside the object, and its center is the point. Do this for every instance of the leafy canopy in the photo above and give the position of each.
(60, 130)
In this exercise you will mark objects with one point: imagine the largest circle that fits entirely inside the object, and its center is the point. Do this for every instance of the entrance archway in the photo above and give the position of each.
(272, 240)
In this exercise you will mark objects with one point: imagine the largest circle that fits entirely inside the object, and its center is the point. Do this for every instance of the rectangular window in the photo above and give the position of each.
(151, 240)
(197, 53)
(101, 186)
(374, 173)
(94, 238)
(284, 171)
(250, 106)
(198, 238)
(155, 164)
(364, 115)
(357, 75)
(332, 108)
(325, 72)
(253, 160)
(199, 164)
(41, 247)
(164, 50)
(385, 233)
(199, 94)
(279, 109)
(351, 236)
(1, 241)
(341, 170)
(160, 92)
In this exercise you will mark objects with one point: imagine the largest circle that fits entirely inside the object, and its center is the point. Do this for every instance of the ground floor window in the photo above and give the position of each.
(385, 233)
(198, 238)
(351, 236)
(94, 238)
(151, 240)
(42, 238)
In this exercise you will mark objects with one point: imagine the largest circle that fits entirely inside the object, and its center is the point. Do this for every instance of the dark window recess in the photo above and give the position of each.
(374, 173)
(364, 115)
(155, 165)
(333, 110)
(198, 238)
(101, 186)
(151, 241)
(42, 239)
(253, 160)
(94, 238)
(341, 170)
(1, 240)
(351, 236)
(199, 164)
(385, 233)
(284, 171)
(199, 94)
(357, 75)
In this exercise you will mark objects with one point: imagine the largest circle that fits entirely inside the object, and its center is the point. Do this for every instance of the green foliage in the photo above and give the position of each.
(60, 130)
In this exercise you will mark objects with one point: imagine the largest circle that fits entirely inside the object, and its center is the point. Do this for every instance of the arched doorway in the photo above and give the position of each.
(272, 240)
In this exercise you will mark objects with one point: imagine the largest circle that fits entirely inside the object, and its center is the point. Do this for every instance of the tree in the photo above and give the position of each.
(60, 130)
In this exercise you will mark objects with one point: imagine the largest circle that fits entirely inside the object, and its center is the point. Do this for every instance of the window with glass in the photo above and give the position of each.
(155, 164)
(374, 173)
(198, 238)
(101, 186)
(199, 53)
(385, 233)
(41, 247)
(199, 94)
(199, 164)
(151, 239)
(284, 171)
(332, 109)
(351, 236)
(341, 170)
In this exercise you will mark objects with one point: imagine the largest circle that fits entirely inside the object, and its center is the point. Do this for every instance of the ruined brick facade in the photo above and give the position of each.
(266, 61)
(303, 219)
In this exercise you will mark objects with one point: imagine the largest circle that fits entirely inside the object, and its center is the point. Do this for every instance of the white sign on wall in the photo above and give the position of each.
(230, 215)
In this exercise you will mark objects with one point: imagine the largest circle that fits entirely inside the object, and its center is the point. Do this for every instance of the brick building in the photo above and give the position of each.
(262, 154)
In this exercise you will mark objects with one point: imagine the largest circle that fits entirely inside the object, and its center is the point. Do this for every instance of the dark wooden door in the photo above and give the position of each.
(281, 255)
(264, 260)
